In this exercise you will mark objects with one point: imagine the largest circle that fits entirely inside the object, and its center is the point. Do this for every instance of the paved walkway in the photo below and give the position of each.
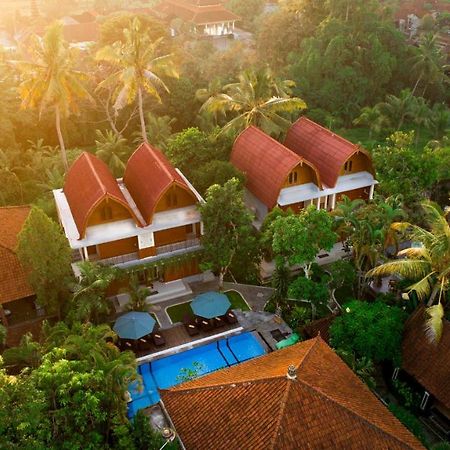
(255, 296)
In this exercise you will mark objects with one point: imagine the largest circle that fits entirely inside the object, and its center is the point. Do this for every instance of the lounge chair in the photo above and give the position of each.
(158, 339)
(219, 322)
(190, 325)
(144, 344)
(231, 317)
(206, 325)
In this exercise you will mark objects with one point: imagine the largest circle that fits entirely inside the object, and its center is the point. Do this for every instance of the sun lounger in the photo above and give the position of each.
(219, 322)
(231, 317)
(190, 325)
(158, 339)
(206, 325)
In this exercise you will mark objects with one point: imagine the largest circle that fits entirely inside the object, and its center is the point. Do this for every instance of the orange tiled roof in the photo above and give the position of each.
(88, 182)
(254, 406)
(428, 363)
(13, 278)
(147, 177)
(326, 150)
(81, 32)
(265, 162)
(200, 14)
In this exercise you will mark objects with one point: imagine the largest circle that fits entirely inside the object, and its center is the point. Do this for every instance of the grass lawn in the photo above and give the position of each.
(177, 312)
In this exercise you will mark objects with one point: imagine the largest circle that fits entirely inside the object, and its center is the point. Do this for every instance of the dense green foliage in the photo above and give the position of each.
(367, 329)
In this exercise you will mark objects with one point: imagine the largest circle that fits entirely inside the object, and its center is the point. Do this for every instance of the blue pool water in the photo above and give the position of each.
(164, 373)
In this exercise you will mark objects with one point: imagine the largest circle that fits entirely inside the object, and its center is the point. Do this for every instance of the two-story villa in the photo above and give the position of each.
(314, 166)
(141, 220)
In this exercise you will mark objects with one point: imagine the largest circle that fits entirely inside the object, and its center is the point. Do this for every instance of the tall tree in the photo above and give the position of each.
(44, 250)
(429, 63)
(228, 233)
(297, 239)
(256, 99)
(428, 264)
(138, 67)
(49, 79)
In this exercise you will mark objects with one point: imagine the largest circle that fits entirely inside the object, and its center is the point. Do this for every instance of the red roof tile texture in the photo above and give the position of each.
(88, 182)
(255, 406)
(13, 278)
(428, 363)
(200, 14)
(147, 177)
(320, 146)
(81, 32)
(265, 162)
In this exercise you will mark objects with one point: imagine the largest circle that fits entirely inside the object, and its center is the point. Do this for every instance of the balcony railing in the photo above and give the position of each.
(161, 250)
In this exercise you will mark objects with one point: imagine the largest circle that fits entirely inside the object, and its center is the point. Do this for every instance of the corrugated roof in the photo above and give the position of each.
(13, 278)
(254, 406)
(88, 182)
(320, 146)
(265, 162)
(428, 363)
(147, 177)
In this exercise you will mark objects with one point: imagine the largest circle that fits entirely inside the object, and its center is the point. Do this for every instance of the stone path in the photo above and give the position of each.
(255, 296)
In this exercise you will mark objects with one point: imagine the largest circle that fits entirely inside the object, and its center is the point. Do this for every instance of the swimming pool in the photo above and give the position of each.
(165, 372)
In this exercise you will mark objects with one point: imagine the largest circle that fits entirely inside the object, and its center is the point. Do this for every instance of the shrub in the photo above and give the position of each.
(373, 330)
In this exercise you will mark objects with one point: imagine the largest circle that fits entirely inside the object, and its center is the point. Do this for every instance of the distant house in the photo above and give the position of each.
(140, 221)
(314, 167)
(81, 29)
(205, 17)
(429, 365)
(16, 295)
(301, 397)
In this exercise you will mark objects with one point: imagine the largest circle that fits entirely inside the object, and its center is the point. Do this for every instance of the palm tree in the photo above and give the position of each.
(396, 109)
(256, 99)
(429, 63)
(50, 80)
(421, 115)
(113, 150)
(138, 295)
(372, 118)
(345, 215)
(159, 129)
(429, 264)
(139, 69)
(440, 120)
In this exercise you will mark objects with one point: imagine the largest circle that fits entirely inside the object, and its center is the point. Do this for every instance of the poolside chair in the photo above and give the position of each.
(158, 339)
(231, 317)
(190, 325)
(144, 344)
(206, 325)
(219, 322)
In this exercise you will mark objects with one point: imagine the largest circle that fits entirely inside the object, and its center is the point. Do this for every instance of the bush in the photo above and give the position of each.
(373, 330)
(409, 420)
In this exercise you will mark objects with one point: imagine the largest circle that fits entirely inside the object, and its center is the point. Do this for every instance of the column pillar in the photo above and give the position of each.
(333, 201)
(318, 203)
(372, 188)
(325, 206)
(86, 254)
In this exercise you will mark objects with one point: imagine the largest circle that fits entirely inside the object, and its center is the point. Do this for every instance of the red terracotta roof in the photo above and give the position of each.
(13, 278)
(147, 177)
(419, 8)
(199, 14)
(265, 162)
(428, 363)
(81, 32)
(255, 406)
(319, 327)
(326, 150)
(88, 182)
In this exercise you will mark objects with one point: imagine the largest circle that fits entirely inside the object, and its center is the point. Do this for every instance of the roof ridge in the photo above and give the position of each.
(94, 171)
(283, 404)
(14, 207)
(351, 411)
(316, 340)
(327, 130)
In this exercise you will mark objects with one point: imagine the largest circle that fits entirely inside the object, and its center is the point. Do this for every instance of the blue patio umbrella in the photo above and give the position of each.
(210, 304)
(134, 325)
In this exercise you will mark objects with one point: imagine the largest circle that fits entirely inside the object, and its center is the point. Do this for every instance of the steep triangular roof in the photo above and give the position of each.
(254, 405)
(88, 182)
(147, 177)
(266, 164)
(320, 146)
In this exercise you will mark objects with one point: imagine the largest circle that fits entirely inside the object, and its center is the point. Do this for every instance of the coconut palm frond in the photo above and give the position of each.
(423, 287)
(409, 268)
(434, 323)
(415, 252)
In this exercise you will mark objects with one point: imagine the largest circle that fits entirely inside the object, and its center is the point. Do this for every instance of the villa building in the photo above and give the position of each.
(300, 397)
(205, 17)
(146, 220)
(313, 167)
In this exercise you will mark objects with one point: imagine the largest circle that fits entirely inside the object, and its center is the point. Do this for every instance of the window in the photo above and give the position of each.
(292, 179)
(172, 199)
(348, 166)
(107, 213)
